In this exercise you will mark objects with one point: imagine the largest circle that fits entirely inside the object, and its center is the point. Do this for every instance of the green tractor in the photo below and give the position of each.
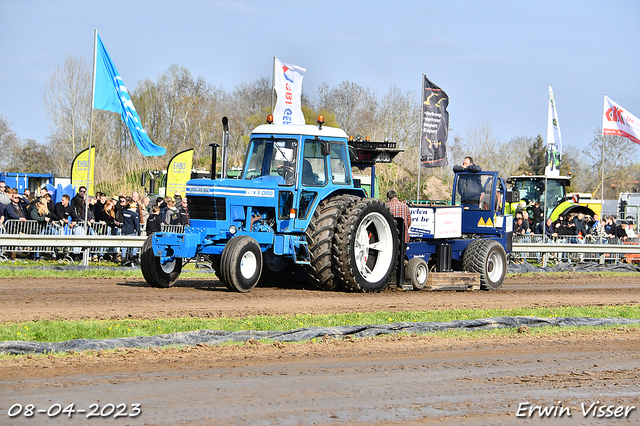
(550, 192)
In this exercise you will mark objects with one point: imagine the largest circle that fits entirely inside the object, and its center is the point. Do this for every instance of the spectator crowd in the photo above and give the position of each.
(122, 215)
(573, 228)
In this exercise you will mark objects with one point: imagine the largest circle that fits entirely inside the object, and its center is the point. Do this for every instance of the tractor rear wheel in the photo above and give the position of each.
(241, 263)
(488, 258)
(366, 246)
(417, 271)
(158, 272)
(319, 236)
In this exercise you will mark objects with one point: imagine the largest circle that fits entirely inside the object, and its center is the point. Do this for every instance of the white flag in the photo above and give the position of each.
(554, 140)
(288, 85)
(617, 121)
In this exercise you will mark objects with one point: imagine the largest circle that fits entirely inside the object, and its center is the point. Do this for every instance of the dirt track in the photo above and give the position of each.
(382, 381)
(58, 298)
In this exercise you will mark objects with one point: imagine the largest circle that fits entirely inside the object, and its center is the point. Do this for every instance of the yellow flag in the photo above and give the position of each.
(80, 170)
(179, 173)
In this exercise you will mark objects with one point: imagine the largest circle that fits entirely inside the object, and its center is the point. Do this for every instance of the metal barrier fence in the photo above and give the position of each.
(59, 240)
(63, 242)
(571, 248)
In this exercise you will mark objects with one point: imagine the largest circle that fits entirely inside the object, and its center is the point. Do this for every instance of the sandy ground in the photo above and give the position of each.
(382, 381)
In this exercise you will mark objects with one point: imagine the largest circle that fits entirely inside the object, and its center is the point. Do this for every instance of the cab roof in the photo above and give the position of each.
(307, 130)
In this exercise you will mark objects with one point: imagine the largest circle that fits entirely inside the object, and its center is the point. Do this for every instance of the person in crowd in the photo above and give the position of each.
(401, 210)
(143, 212)
(469, 187)
(183, 209)
(62, 212)
(560, 226)
(109, 216)
(579, 228)
(621, 231)
(536, 217)
(521, 226)
(597, 230)
(17, 209)
(41, 215)
(130, 226)
(630, 232)
(79, 205)
(4, 197)
(44, 194)
(526, 218)
(28, 195)
(1, 218)
(121, 205)
(609, 228)
(99, 212)
(546, 229)
(171, 216)
(154, 222)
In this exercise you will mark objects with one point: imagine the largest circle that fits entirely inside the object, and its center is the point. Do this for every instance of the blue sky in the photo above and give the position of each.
(495, 59)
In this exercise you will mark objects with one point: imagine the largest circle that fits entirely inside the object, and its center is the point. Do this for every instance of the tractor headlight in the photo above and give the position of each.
(233, 229)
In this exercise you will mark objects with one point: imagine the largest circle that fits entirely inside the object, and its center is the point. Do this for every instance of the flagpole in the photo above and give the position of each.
(85, 258)
(273, 81)
(420, 135)
(602, 167)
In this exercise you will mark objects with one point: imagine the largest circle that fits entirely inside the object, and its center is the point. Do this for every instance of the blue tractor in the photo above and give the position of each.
(296, 207)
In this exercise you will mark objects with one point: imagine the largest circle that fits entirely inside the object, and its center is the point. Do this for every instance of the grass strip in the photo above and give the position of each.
(57, 331)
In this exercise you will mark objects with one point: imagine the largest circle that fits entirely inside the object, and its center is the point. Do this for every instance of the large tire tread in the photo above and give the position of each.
(343, 258)
(319, 236)
(476, 257)
(152, 271)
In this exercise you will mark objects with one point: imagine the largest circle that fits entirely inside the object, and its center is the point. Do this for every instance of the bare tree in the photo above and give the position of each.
(10, 144)
(67, 100)
(355, 107)
(619, 154)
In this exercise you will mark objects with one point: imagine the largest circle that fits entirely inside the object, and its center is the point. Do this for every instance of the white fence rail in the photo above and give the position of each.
(58, 239)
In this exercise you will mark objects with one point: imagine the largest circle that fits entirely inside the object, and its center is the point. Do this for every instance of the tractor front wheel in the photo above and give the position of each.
(157, 271)
(241, 263)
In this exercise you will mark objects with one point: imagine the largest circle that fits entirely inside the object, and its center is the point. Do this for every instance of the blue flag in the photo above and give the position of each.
(109, 93)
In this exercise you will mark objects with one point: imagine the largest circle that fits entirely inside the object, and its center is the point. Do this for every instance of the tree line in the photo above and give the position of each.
(181, 112)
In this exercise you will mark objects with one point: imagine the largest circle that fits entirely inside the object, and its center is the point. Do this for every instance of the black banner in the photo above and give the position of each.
(435, 126)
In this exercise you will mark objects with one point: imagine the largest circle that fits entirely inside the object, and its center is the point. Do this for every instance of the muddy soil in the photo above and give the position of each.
(393, 380)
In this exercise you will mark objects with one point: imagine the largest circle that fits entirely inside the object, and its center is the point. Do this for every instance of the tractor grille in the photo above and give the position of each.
(208, 208)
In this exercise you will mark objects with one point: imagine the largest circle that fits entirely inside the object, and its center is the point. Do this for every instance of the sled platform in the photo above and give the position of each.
(450, 281)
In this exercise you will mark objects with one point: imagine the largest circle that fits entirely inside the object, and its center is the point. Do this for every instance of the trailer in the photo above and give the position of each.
(297, 207)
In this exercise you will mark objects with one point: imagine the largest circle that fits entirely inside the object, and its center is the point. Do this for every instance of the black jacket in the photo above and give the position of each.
(154, 224)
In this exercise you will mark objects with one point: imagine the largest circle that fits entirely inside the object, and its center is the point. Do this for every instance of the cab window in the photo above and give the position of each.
(339, 173)
(314, 168)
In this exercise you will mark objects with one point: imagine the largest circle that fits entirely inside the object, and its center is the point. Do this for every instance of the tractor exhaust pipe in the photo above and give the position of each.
(214, 156)
(225, 146)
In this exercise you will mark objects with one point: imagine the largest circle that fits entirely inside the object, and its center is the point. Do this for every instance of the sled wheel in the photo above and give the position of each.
(366, 246)
(417, 272)
(488, 258)
(241, 263)
(160, 272)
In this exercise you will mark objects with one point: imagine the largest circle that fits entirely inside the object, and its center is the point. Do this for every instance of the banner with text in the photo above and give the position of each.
(179, 173)
(80, 173)
(617, 121)
(288, 85)
(554, 140)
(434, 125)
